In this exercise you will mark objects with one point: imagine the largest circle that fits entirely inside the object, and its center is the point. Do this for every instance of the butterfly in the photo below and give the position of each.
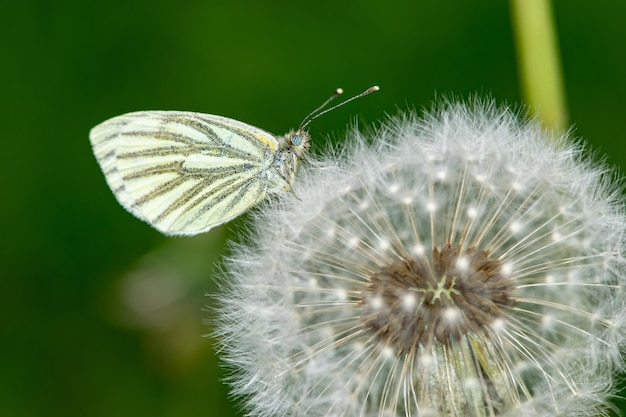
(185, 173)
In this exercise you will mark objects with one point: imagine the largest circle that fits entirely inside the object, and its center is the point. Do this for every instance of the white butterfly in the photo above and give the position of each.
(185, 173)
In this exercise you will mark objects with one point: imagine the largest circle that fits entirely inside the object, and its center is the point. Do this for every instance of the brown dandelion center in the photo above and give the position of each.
(413, 302)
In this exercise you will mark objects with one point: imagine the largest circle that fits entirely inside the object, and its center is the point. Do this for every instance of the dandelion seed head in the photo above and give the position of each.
(466, 264)
(341, 294)
(352, 242)
(462, 264)
(418, 250)
(383, 245)
(516, 227)
(480, 178)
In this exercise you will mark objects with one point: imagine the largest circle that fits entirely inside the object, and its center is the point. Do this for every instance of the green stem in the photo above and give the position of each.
(539, 61)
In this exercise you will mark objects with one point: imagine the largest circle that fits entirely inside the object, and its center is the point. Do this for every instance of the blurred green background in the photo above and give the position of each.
(103, 316)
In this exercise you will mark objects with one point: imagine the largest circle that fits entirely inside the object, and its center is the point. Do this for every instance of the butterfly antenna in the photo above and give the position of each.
(317, 112)
(311, 115)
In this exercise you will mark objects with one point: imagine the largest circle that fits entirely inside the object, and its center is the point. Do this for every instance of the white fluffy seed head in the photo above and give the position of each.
(455, 281)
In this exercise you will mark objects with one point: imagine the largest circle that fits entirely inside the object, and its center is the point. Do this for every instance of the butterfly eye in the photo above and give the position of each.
(296, 140)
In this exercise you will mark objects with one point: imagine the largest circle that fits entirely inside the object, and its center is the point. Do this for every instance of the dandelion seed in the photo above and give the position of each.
(474, 269)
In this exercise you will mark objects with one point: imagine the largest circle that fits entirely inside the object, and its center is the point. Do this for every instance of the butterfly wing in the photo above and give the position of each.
(184, 172)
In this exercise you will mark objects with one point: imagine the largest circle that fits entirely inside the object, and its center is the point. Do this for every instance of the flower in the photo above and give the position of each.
(465, 264)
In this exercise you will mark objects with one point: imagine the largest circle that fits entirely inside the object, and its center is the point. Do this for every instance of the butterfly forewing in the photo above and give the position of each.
(184, 172)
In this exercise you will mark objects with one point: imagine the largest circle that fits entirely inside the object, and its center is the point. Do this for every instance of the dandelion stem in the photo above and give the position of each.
(539, 61)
